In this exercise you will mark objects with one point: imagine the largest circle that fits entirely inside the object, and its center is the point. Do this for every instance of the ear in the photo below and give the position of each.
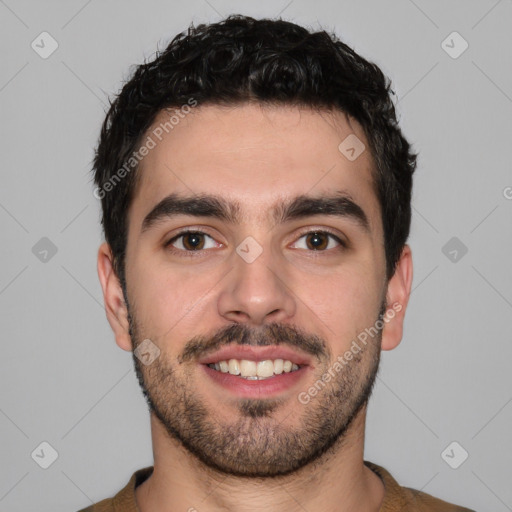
(115, 307)
(397, 298)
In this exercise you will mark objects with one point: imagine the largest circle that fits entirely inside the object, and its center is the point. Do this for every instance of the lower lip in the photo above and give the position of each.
(256, 388)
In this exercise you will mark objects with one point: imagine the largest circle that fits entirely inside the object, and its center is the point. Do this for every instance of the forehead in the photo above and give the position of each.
(255, 156)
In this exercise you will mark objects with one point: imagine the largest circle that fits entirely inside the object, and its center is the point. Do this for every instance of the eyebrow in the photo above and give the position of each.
(338, 205)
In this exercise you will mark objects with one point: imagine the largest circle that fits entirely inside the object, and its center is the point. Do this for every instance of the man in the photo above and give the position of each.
(256, 196)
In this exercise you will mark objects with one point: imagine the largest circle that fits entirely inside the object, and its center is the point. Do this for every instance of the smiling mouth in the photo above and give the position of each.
(255, 370)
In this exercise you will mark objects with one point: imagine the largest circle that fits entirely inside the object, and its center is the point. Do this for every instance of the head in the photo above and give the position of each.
(247, 132)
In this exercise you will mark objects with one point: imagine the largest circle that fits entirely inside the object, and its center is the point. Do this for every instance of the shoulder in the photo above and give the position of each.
(106, 505)
(399, 498)
(427, 503)
(124, 500)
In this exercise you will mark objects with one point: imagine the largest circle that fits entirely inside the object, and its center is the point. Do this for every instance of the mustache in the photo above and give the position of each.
(268, 334)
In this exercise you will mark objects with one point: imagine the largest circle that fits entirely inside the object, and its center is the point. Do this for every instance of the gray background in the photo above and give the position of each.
(63, 379)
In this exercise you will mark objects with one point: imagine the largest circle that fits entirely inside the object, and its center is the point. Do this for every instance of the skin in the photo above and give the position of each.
(258, 156)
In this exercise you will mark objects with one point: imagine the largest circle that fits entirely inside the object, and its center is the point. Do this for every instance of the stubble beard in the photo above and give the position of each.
(255, 444)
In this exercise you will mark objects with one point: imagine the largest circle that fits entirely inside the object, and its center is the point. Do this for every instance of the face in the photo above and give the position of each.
(278, 262)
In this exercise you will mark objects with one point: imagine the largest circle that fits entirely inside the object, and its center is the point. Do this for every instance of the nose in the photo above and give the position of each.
(256, 292)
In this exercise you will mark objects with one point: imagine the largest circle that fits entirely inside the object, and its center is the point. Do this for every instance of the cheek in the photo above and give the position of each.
(169, 302)
(346, 303)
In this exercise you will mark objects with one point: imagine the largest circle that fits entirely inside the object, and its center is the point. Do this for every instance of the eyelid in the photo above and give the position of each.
(186, 231)
(334, 234)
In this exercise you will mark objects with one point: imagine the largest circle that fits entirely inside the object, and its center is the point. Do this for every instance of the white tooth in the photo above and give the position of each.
(265, 368)
(287, 366)
(247, 368)
(234, 367)
(217, 367)
(278, 366)
(224, 366)
(295, 367)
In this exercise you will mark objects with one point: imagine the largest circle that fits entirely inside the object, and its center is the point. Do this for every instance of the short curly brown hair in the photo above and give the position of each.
(243, 59)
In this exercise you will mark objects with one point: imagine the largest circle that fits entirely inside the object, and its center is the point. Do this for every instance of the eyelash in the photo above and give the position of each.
(168, 245)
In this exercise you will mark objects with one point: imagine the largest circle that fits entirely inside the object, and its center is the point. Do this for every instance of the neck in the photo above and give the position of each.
(338, 480)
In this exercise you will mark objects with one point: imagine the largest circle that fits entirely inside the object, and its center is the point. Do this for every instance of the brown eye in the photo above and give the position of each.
(191, 241)
(319, 241)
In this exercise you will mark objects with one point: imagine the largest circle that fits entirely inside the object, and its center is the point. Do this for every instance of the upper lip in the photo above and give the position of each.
(253, 353)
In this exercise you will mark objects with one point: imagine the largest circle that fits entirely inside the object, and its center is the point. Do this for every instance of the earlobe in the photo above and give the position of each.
(397, 298)
(115, 307)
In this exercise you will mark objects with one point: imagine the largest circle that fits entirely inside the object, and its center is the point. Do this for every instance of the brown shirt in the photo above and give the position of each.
(396, 498)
